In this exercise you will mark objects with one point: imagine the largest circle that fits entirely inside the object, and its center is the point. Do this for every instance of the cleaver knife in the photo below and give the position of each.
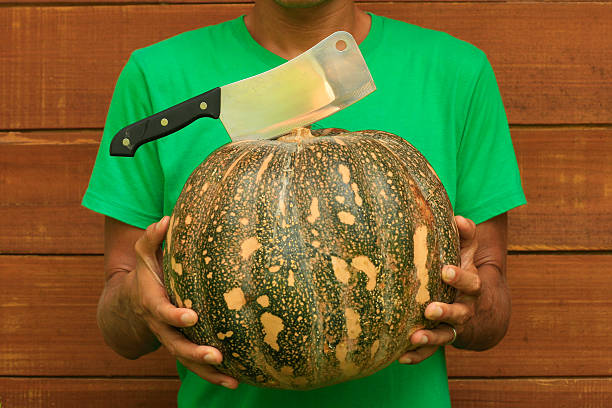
(326, 78)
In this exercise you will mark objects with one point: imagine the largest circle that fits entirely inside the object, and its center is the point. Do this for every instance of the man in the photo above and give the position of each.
(437, 92)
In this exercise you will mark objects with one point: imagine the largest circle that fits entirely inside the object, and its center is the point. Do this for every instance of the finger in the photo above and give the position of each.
(211, 374)
(464, 280)
(439, 336)
(155, 304)
(418, 355)
(171, 315)
(199, 359)
(455, 314)
(180, 347)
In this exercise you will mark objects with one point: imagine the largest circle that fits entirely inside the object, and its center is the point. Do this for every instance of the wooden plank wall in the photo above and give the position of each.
(58, 64)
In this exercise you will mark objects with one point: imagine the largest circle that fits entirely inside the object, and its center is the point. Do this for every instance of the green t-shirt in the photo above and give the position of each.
(437, 92)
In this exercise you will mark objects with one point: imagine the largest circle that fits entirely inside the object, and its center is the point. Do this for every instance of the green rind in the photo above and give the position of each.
(266, 291)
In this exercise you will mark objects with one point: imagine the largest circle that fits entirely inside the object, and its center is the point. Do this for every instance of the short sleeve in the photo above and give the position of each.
(488, 179)
(129, 189)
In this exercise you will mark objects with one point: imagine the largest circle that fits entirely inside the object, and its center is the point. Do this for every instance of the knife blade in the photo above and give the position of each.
(317, 83)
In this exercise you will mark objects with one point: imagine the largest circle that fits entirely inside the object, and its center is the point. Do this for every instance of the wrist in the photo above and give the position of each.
(121, 317)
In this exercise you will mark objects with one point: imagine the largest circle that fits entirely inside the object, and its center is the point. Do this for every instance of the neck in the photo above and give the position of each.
(288, 31)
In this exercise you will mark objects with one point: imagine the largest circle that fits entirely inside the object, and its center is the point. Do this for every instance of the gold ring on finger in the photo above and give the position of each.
(454, 333)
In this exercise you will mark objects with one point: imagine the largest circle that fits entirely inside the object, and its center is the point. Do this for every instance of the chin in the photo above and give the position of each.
(300, 3)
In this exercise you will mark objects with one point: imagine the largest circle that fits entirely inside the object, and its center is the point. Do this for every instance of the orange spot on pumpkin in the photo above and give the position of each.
(263, 300)
(248, 247)
(272, 326)
(420, 263)
(346, 218)
(234, 299)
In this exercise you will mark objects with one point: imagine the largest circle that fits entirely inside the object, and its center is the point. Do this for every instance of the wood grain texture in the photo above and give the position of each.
(529, 393)
(560, 321)
(567, 178)
(59, 64)
(43, 176)
(48, 320)
(546, 70)
(49, 328)
(161, 393)
(556, 71)
(88, 392)
(119, 2)
(566, 173)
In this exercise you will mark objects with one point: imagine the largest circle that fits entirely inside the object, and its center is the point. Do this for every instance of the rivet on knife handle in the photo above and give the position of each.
(130, 138)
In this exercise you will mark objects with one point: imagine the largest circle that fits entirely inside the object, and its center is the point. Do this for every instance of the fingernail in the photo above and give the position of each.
(210, 359)
(187, 318)
(448, 274)
(406, 360)
(159, 223)
(424, 340)
(226, 385)
(435, 312)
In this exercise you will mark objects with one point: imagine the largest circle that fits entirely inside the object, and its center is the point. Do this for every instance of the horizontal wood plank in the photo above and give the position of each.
(60, 64)
(539, 51)
(567, 179)
(88, 392)
(124, 2)
(529, 393)
(119, 2)
(48, 320)
(43, 177)
(152, 393)
(561, 309)
(567, 176)
(560, 324)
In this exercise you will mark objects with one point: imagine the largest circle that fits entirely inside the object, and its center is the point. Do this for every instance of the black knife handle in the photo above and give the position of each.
(163, 123)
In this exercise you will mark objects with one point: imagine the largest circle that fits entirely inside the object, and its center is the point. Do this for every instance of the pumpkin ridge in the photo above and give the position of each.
(244, 266)
(359, 204)
(318, 333)
(174, 246)
(309, 162)
(251, 314)
(426, 213)
(275, 218)
(423, 202)
(314, 359)
(216, 195)
(438, 200)
(369, 201)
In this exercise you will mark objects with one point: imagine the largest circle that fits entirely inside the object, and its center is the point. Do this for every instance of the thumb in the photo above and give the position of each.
(468, 244)
(148, 245)
(467, 229)
(156, 233)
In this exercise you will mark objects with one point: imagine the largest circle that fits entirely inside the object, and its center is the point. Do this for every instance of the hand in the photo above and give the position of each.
(458, 314)
(151, 304)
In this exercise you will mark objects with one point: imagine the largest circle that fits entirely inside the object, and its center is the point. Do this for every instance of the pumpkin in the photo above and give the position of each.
(310, 259)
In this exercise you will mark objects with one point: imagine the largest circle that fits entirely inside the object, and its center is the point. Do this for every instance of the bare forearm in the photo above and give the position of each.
(492, 315)
(123, 330)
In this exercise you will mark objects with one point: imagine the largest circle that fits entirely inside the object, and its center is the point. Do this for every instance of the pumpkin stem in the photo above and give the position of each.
(297, 135)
